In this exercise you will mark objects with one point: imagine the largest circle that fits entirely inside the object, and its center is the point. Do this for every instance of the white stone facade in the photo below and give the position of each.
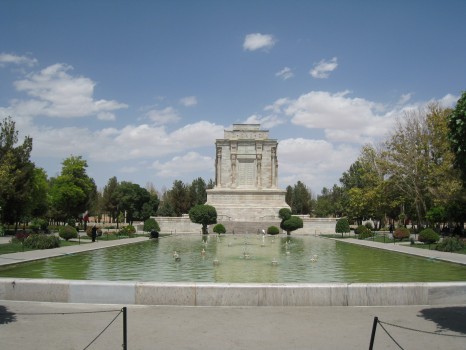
(246, 176)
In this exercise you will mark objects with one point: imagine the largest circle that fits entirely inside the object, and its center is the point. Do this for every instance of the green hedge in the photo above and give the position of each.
(41, 241)
(273, 230)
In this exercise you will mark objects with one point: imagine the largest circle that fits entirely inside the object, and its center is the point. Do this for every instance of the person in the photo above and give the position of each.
(94, 233)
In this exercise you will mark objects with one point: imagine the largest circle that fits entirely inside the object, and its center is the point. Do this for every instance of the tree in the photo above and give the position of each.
(178, 198)
(342, 226)
(197, 192)
(16, 173)
(301, 202)
(203, 214)
(72, 192)
(289, 223)
(457, 135)
(110, 199)
(131, 199)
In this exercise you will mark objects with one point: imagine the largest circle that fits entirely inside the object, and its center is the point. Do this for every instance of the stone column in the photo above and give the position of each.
(233, 170)
(259, 170)
(218, 167)
(273, 167)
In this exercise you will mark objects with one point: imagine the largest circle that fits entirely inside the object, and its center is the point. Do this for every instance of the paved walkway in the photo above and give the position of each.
(32, 325)
(14, 258)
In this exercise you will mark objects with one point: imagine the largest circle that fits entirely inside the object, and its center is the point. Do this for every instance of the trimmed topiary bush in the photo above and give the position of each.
(273, 230)
(428, 236)
(342, 226)
(401, 233)
(41, 241)
(67, 232)
(151, 224)
(219, 228)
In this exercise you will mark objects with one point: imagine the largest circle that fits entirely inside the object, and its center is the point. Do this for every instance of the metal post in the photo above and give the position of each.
(374, 327)
(125, 330)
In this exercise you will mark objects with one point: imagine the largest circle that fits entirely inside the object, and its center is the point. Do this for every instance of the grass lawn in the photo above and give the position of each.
(8, 248)
(433, 246)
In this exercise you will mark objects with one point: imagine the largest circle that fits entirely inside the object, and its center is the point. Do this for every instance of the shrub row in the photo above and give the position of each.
(41, 241)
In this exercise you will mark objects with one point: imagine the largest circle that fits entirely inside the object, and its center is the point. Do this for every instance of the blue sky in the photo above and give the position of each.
(141, 89)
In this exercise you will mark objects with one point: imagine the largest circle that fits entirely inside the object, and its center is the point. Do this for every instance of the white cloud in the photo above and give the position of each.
(55, 93)
(7, 58)
(404, 98)
(189, 101)
(163, 116)
(188, 163)
(317, 163)
(285, 73)
(256, 41)
(322, 69)
(267, 122)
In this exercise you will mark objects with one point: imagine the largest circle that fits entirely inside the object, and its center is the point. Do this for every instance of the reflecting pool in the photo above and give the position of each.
(242, 259)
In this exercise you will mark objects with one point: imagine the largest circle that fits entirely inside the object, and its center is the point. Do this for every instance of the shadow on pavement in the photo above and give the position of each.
(447, 318)
(6, 316)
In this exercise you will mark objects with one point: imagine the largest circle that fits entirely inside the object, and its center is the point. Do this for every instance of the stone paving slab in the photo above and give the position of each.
(33, 325)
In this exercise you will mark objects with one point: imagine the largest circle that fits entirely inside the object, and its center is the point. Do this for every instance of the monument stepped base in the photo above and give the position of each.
(246, 204)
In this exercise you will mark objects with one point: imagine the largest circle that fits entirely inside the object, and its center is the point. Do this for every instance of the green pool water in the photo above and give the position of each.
(241, 259)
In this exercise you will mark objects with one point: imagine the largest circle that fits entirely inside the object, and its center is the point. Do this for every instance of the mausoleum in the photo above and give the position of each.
(246, 176)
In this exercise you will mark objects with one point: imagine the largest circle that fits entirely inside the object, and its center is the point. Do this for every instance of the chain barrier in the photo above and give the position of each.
(381, 323)
(421, 331)
(98, 335)
(77, 313)
(391, 337)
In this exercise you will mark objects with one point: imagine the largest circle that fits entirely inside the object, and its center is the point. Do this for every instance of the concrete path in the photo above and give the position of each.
(86, 245)
(30, 325)
(403, 248)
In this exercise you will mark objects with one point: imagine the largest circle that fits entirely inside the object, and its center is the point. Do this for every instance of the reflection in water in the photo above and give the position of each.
(241, 259)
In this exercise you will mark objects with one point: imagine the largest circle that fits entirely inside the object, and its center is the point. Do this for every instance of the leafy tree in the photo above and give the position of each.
(203, 214)
(342, 226)
(197, 192)
(110, 199)
(39, 193)
(457, 134)
(178, 198)
(131, 199)
(330, 203)
(301, 200)
(16, 173)
(73, 190)
(289, 195)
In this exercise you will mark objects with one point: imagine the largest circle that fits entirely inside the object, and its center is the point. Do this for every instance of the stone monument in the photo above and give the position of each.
(246, 176)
